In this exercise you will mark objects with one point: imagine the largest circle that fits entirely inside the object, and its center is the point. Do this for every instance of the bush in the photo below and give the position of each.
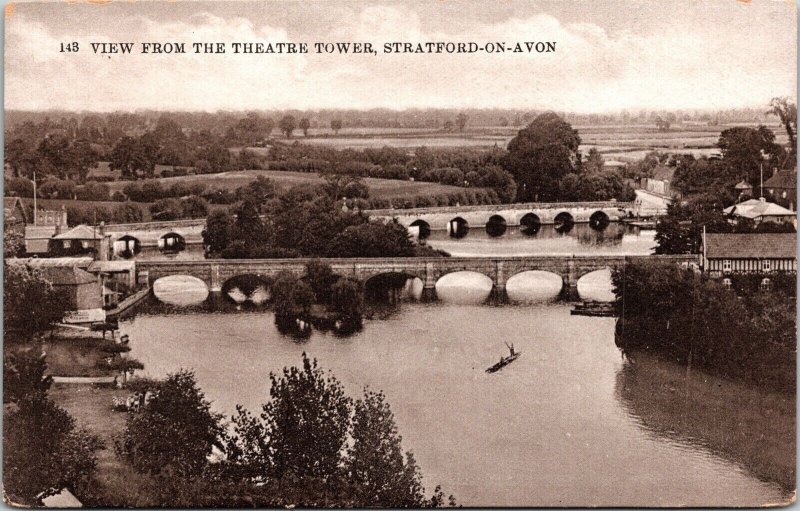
(92, 192)
(18, 186)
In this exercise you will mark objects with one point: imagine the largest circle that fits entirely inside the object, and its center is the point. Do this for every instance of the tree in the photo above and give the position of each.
(320, 277)
(133, 156)
(744, 150)
(786, 111)
(13, 239)
(258, 191)
(288, 125)
(218, 232)
(540, 155)
(336, 125)
(166, 209)
(291, 297)
(302, 431)
(381, 474)
(24, 376)
(347, 298)
(174, 434)
(594, 161)
(304, 125)
(461, 121)
(43, 452)
(127, 213)
(662, 124)
(23, 286)
(373, 239)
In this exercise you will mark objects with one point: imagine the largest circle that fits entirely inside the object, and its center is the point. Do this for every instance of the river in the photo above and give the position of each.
(614, 239)
(561, 426)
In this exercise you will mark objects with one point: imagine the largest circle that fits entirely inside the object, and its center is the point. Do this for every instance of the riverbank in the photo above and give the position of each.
(748, 425)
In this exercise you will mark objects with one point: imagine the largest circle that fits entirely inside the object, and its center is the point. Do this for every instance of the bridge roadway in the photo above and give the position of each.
(215, 272)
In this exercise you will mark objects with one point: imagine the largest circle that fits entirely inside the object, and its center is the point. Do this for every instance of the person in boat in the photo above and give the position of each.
(511, 349)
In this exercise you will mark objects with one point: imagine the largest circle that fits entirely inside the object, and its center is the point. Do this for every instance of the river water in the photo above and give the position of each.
(567, 424)
(561, 426)
(614, 239)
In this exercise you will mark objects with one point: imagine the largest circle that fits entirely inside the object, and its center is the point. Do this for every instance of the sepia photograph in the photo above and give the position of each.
(399, 254)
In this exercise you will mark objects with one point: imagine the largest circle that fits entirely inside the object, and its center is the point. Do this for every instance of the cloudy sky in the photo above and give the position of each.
(632, 54)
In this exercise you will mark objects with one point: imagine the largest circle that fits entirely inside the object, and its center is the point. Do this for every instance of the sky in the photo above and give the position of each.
(664, 54)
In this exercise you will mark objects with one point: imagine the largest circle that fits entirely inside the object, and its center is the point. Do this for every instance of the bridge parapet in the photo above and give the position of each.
(500, 207)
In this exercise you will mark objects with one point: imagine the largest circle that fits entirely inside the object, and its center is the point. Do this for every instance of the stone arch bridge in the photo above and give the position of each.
(215, 272)
(135, 236)
(510, 214)
(152, 234)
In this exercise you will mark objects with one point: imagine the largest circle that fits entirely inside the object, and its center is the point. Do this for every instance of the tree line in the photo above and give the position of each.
(740, 333)
(302, 221)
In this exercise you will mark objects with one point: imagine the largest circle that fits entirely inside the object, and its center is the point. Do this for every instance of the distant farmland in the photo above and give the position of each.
(627, 143)
(378, 188)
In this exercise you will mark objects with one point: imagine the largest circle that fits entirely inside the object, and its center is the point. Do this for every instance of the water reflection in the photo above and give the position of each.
(464, 287)
(596, 286)
(581, 239)
(180, 290)
(533, 287)
(753, 428)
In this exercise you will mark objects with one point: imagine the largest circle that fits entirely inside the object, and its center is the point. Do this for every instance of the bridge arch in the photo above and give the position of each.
(180, 289)
(532, 286)
(172, 242)
(393, 286)
(423, 229)
(596, 285)
(599, 220)
(248, 288)
(458, 227)
(127, 246)
(464, 286)
(496, 226)
(564, 222)
(530, 224)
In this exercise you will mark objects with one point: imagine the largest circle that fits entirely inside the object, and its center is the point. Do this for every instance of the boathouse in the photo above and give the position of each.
(731, 253)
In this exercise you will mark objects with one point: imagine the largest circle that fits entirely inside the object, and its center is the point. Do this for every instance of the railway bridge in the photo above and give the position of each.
(216, 272)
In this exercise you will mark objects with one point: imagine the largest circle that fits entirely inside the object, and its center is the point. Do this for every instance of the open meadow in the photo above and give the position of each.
(621, 142)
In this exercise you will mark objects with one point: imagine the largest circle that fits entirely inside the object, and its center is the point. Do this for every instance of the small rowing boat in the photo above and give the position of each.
(504, 361)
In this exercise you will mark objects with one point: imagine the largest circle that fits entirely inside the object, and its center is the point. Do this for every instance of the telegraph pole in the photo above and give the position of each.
(34, 197)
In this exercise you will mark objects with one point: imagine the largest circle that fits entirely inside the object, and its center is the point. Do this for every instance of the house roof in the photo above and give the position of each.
(81, 232)
(50, 262)
(67, 276)
(664, 173)
(11, 205)
(751, 245)
(782, 179)
(743, 185)
(112, 266)
(756, 208)
(33, 232)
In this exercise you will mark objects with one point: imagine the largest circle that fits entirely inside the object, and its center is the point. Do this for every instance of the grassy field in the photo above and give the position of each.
(118, 484)
(378, 188)
(628, 143)
(384, 188)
